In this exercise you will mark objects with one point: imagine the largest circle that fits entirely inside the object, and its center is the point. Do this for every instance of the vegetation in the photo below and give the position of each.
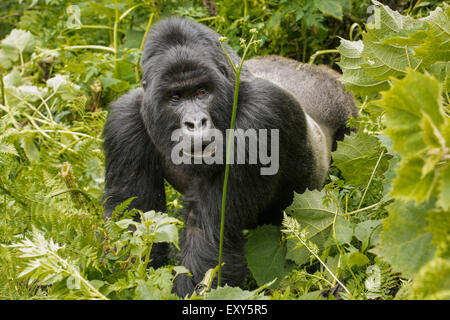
(380, 228)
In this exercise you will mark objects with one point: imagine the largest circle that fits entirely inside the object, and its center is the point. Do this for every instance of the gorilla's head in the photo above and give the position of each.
(188, 83)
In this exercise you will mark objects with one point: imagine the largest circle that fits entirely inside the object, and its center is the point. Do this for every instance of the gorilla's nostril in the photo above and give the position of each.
(204, 122)
(189, 125)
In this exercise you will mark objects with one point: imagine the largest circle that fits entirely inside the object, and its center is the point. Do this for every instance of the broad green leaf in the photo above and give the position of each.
(356, 258)
(392, 44)
(405, 104)
(417, 125)
(382, 59)
(232, 293)
(410, 184)
(313, 295)
(433, 281)
(344, 230)
(353, 75)
(266, 256)
(18, 41)
(439, 225)
(30, 148)
(390, 173)
(368, 232)
(436, 46)
(311, 213)
(5, 61)
(116, 85)
(406, 243)
(13, 79)
(356, 157)
(62, 85)
(329, 7)
(444, 187)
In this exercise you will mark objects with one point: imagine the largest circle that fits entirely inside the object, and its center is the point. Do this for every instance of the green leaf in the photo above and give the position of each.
(435, 45)
(310, 211)
(406, 243)
(30, 148)
(405, 104)
(410, 184)
(416, 123)
(358, 259)
(116, 85)
(368, 232)
(439, 225)
(393, 44)
(353, 74)
(344, 230)
(232, 293)
(444, 187)
(18, 41)
(433, 281)
(329, 7)
(383, 59)
(313, 295)
(356, 157)
(5, 61)
(266, 256)
(390, 173)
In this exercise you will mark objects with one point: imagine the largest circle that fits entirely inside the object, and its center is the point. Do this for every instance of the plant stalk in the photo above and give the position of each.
(230, 141)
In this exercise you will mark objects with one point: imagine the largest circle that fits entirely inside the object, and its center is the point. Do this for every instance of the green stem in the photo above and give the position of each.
(320, 52)
(370, 180)
(2, 88)
(72, 271)
(115, 41)
(227, 170)
(230, 141)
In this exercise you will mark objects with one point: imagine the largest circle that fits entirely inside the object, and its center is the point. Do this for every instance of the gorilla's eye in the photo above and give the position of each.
(202, 92)
(175, 98)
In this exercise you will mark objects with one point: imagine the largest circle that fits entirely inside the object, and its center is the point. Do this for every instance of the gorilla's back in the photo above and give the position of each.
(316, 88)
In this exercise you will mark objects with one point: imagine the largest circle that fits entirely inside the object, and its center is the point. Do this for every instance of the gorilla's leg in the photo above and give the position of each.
(133, 166)
(201, 237)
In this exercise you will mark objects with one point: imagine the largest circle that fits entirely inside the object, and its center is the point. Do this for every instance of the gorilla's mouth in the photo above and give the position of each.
(205, 152)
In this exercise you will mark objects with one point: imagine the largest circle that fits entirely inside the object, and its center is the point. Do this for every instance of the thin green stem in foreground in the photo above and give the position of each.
(237, 72)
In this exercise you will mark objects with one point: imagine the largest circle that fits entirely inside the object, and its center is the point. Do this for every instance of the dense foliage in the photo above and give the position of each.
(380, 228)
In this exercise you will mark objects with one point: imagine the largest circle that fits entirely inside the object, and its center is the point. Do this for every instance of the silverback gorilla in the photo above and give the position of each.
(188, 85)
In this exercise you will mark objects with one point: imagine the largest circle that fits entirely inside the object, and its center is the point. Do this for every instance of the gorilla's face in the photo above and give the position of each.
(186, 93)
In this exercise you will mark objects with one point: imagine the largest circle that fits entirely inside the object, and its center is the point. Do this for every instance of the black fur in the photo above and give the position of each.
(181, 53)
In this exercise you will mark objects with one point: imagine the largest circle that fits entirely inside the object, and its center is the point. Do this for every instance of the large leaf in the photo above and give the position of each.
(385, 59)
(391, 45)
(433, 281)
(17, 42)
(266, 256)
(310, 211)
(330, 8)
(436, 44)
(417, 126)
(431, 43)
(406, 243)
(353, 74)
(232, 293)
(356, 156)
